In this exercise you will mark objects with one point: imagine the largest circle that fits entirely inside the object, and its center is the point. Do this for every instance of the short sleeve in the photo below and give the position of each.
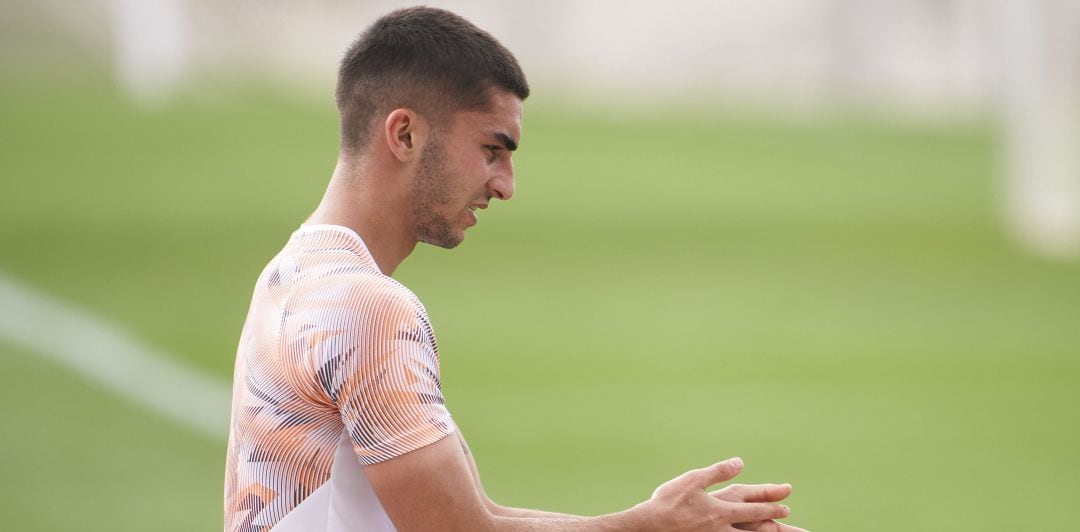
(384, 376)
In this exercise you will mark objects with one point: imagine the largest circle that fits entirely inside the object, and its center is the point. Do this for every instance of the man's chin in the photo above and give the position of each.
(445, 241)
(440, 233)
(446, 244)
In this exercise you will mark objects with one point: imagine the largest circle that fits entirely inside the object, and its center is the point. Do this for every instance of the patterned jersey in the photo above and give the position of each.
(337, 368)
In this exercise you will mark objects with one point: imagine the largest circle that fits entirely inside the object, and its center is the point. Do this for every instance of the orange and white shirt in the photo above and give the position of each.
(337, 368)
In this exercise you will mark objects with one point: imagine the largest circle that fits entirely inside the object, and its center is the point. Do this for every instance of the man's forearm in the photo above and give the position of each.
(628, 521)
(504, 511)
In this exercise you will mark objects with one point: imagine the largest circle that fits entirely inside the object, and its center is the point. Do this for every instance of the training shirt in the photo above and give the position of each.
(337, 368)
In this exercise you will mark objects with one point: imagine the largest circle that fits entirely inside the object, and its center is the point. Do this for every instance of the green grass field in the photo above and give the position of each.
(833, 299)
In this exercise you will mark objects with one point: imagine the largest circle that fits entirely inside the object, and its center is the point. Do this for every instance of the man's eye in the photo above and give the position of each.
(493, 150)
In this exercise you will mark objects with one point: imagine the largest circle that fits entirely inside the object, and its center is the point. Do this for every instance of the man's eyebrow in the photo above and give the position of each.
(507, 142)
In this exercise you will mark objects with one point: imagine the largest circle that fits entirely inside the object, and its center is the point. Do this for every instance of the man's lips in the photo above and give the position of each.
(471, 210)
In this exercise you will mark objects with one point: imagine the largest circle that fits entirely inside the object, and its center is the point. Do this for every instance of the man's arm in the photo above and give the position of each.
(492, 507)
(434, 488)
(731, 493)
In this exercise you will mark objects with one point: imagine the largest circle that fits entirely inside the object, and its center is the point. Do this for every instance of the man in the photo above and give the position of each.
(338, 416)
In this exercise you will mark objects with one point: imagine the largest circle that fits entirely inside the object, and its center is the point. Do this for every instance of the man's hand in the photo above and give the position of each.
(757, 493)
(683, 504)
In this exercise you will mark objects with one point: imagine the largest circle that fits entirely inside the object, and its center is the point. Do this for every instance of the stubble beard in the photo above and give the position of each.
(431, 190)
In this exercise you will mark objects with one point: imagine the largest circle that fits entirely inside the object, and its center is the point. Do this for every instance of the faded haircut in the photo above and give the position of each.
(426, 59)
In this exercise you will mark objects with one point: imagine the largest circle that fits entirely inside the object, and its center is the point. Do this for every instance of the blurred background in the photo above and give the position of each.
(838, 238)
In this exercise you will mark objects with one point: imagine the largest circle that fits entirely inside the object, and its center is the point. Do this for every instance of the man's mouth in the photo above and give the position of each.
(471, 209)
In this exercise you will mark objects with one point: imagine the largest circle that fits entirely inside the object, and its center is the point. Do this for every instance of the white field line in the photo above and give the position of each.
(107, 355)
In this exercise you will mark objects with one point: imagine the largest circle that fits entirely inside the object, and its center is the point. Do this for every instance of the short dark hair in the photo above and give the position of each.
(427, 59)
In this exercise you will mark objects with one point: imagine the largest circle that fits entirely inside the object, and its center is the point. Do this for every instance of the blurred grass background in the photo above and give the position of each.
(830, 297)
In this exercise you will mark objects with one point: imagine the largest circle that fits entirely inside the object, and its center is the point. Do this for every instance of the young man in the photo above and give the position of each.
(338, 421)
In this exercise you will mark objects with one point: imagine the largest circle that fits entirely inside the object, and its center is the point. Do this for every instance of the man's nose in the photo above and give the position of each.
(502, 187)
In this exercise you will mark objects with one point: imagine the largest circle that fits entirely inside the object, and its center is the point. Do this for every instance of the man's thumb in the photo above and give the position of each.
(699, 479)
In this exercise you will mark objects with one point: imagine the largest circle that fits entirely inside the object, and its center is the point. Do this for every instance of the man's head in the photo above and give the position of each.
(431, 76)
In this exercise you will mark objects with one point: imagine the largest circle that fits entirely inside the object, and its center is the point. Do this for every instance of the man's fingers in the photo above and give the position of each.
(754, 527)
(753, 493)
(767, 526)
(699, 479)
(789, 528)
(749, 512)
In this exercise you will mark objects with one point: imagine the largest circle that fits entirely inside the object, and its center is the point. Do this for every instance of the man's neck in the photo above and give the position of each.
(374, 212)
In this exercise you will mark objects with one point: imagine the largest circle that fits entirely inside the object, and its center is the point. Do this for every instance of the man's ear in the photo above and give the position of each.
(406, 133)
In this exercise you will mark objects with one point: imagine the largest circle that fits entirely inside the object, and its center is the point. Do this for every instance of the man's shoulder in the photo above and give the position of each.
(362, 289)
(367, 305)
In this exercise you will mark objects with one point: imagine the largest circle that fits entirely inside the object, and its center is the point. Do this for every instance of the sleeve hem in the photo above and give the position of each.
(370, 458)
